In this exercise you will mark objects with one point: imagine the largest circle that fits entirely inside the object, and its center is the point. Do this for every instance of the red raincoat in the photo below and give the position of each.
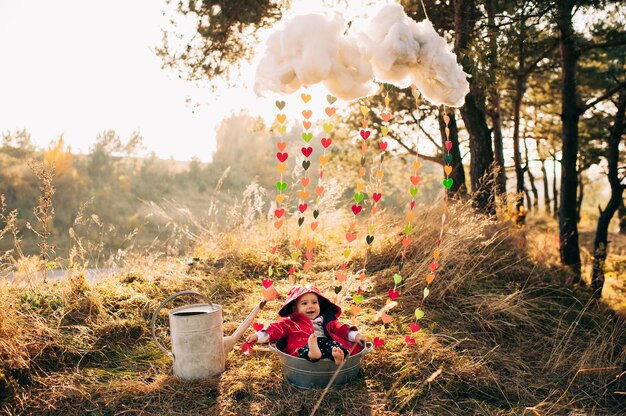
(297, 327)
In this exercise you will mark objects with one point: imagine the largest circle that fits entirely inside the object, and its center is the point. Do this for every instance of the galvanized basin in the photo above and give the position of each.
(305, 374)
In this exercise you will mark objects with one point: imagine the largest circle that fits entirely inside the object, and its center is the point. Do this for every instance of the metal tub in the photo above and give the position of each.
(305, 374)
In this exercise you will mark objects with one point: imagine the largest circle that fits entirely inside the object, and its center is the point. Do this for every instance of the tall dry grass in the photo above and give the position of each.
(503, 333)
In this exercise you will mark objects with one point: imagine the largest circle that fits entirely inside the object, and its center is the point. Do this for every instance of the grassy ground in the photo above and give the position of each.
(503, 333)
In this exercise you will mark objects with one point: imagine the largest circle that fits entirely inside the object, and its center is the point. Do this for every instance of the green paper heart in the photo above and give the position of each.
(372, 229)
(358, 197)
(346, 253)
(306, 164)
(331, 99)
(369, 239)
(408, 230)
(419, 314)
(426, 292)
(295, 255)
(357, 298)
(316, 213)
(448, 183)
(415, 92)
(307, 136)
(280, 104)
(338, 289)
(363, 161)
(413, 191)
(281, 186)
(382, 157)
(448, 158)
(397, 278)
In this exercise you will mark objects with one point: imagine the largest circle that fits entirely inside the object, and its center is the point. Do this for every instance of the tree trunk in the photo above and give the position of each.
(458, 172)
(555, 190)
(495, 112)
(600, 244)
(622, 217)
(568, 229)
(546, 191)
(528, 200)
(579, 196)
(531, 179)
(481, 152)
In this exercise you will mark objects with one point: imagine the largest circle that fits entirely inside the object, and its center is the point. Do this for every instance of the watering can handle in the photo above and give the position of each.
(156, 313)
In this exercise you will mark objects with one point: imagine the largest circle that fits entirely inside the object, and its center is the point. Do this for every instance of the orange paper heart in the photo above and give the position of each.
(324, 159)
(281, 118)
(330, 111)
(319, 190)
(386, 318)
(430, 278)
(305, 97)
(306, 124)
(314, 225)
(355, 310)
(280, 198)
(307, 114)
(304, 194)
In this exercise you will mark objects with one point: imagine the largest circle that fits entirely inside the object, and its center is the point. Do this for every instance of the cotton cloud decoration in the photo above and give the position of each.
(402, 52)
(312, 48)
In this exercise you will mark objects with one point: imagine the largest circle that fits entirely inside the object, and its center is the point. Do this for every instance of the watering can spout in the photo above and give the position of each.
(229, 342)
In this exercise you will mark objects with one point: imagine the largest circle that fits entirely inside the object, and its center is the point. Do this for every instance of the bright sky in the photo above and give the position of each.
(79, 67)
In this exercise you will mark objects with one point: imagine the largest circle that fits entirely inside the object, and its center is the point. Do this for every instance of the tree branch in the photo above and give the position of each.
(602, 45)
(428, 136)
(414, 152)
(601, 98)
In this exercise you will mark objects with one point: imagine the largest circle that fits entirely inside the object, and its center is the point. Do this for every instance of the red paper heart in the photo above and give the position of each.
(279, 212)
(414, 327)
(448, 145)
(378, 342)
(247, 348)
(274, 249)
(267, 283)
(393, 294)
(409, 340)
(412, 204)
(376, 196)
(433, 266)
(306, 151)
(405, 242)
(292, 270)
(302, 207)
(365, 134)
(326, 142)
(356, 209)
(257, 326)
(383, 146)
(282, 156)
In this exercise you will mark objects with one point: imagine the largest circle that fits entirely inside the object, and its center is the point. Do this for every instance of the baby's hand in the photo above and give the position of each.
(252, 338)
(360, 338)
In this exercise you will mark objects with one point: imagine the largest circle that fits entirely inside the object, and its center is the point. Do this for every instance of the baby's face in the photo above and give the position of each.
(309, 305)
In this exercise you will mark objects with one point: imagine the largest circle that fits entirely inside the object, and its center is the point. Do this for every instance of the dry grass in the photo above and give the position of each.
(502, 335)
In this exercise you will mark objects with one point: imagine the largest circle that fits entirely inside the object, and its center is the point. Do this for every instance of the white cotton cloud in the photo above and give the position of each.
(310, 49)
(402, 52)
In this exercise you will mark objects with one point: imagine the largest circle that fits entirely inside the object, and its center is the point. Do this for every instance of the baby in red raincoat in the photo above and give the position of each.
(310, 328)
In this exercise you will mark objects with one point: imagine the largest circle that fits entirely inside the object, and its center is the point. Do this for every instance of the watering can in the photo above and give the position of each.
(198, 345)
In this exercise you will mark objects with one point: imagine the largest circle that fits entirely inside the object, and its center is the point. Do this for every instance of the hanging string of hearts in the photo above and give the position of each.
(280, 213)
(357, 208)
(304, 193)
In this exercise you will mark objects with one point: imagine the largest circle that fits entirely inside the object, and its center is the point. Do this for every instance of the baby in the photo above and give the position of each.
(311, 328)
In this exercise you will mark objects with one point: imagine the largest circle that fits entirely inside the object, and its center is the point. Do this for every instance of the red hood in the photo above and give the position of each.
(297, 291)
